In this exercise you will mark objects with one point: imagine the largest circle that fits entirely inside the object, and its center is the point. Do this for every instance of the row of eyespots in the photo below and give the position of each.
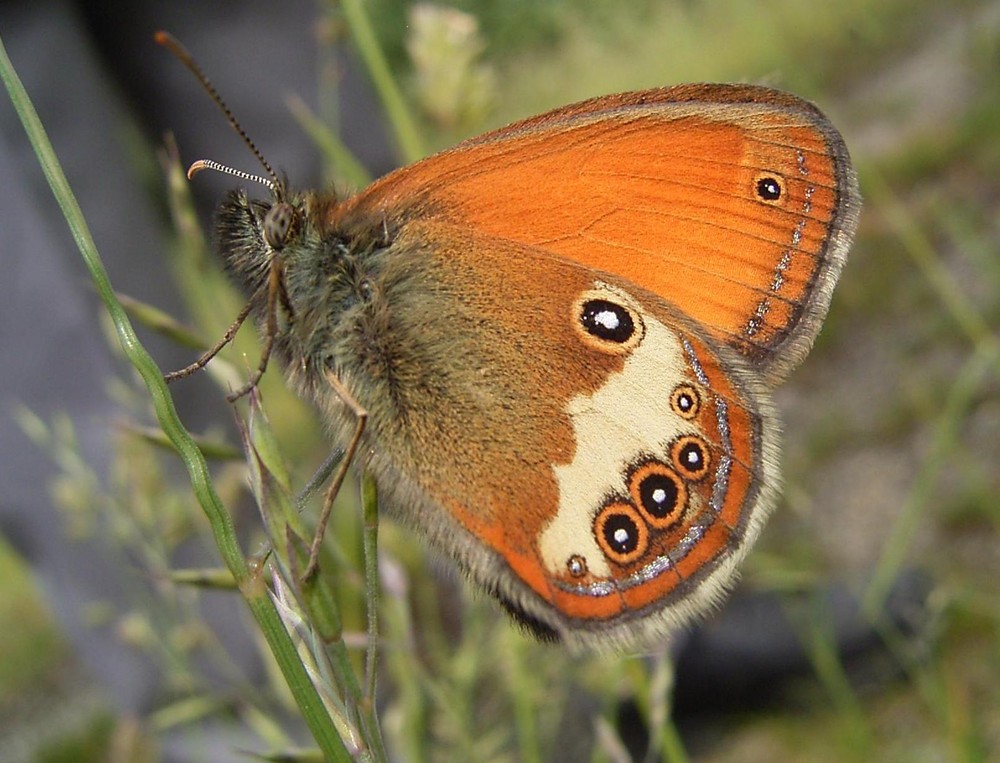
(658, 493)
(658, 498)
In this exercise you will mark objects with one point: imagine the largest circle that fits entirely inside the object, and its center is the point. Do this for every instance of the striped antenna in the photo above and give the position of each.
(172, 44)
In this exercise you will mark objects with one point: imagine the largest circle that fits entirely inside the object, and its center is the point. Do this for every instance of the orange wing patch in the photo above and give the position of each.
(676, 195)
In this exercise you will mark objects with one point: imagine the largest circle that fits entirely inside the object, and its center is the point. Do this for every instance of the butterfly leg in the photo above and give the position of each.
(213, 350)
(360, 418)
(275, 293)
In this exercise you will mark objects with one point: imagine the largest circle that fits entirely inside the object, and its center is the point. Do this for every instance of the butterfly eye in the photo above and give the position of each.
(606, 325)
(685, 401)
(659, 493)
(621, 533)
(277, 225)
(769, 188)
(690, 457)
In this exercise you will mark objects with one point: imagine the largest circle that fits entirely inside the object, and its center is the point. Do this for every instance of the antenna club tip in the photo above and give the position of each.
(197, 167)
(164, 39)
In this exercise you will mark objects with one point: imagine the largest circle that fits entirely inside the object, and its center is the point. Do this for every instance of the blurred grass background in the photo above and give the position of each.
(892, 446)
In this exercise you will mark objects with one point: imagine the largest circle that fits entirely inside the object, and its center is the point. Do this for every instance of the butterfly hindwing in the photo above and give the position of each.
(603, 464)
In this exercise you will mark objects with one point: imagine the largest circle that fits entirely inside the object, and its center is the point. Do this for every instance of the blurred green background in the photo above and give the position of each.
(892, 444)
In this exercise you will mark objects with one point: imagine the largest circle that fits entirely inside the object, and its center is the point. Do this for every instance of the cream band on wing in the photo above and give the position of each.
(628, 421)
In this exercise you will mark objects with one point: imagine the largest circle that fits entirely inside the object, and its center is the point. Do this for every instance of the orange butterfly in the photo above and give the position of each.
(560, 338)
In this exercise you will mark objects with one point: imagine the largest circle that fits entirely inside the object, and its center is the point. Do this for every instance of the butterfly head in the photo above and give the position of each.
(252, 235)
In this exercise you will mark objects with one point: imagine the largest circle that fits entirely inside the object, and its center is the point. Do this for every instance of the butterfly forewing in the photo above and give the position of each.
(735, 203)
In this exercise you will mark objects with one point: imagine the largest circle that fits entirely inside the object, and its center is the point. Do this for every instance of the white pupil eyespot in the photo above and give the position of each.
(659, 495)
(621, 536)
(608, 319)
(693, 457)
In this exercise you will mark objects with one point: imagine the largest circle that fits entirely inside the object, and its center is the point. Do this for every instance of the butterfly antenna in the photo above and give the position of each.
(174, 45)
(209, 164)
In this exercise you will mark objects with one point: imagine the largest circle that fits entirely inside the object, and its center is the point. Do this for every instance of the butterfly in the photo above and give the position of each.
(553, 345)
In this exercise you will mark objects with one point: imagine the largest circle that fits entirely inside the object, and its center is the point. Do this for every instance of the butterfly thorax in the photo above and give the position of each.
(348, 294)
